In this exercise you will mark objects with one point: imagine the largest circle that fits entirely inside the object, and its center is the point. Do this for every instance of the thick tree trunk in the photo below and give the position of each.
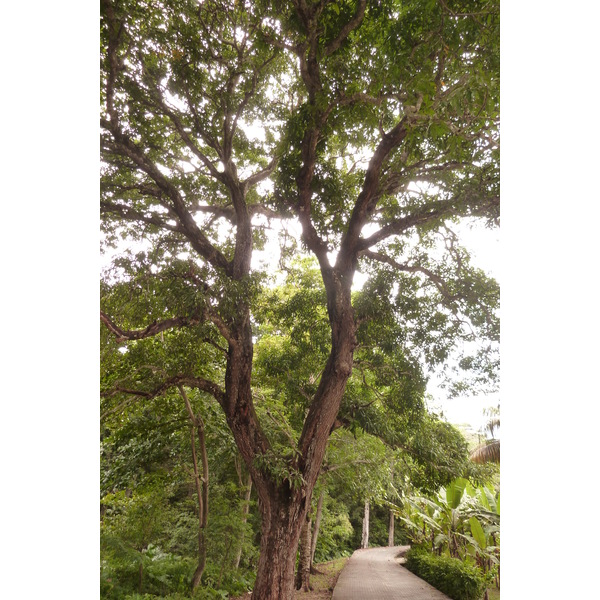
(282, 521)
(365, 527)
(391, 529)
(283, 505)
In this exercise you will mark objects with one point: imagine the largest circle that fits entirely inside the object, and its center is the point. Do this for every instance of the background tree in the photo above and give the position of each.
(376, 129)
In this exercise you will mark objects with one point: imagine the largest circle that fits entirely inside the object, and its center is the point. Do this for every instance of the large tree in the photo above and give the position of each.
(371, 124)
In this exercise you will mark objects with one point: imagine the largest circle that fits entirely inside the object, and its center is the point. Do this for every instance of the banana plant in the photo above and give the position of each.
(439, 520)
(460, 520)
(485, 531)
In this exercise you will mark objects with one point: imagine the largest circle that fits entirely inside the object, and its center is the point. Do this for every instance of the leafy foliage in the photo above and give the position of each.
(461, 522)
(449, 575)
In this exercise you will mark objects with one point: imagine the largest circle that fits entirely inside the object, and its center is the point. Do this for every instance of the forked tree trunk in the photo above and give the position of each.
(391, 529)
(284, 504)
(365, 527)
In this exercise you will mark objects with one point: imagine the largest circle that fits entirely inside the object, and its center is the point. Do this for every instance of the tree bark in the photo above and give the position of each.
(282, 520)
(283, 503)
(391, 529)
(365, 527)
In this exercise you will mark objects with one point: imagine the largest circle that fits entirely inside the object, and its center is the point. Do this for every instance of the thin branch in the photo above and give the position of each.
(260, 175)
(125, 146)
(130, 214)
(199, 383)
(420, 217)
(436, 279)
(331, 468)
(151, 330)
(350, 26)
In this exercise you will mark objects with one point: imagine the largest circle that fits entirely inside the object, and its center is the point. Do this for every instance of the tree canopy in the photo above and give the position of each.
(371, 127)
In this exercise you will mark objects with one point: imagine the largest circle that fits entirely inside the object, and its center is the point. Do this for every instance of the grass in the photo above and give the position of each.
(494, 593)
(324, 581)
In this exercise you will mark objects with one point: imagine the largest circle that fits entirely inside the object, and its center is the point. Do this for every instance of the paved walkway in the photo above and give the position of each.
(376, 574)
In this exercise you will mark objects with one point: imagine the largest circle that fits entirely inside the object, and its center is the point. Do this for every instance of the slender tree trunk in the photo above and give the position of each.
(365, 527)
(245, 512)
(315, 535)
(498, 577)
(391, 529)
(201, 486)
(303, 571)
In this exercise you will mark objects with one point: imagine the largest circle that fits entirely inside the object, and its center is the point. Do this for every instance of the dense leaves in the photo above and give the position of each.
(453, 577)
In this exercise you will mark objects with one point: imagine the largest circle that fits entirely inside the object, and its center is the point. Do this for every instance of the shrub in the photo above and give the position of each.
(458, 580)
(223, 583)
(161, 573)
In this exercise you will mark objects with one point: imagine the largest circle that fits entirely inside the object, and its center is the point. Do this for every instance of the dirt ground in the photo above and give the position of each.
(322, 582)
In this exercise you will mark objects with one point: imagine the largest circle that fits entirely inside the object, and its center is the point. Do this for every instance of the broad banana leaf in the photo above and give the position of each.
(484, 515)
(478, 533)
(454, 492)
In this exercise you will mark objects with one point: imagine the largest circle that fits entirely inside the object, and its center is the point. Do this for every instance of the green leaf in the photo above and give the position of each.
(454, 492)
(478, 533)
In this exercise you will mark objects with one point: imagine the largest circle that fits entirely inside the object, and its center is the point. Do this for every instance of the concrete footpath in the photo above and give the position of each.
(376, 574)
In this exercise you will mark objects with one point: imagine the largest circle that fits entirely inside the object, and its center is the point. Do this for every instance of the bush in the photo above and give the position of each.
(223, 583)
(449, 575)
(161, 573)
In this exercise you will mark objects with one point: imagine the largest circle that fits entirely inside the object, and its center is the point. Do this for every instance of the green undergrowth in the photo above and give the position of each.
(458, 580)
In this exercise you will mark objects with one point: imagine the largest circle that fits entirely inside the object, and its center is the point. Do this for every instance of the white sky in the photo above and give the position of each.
(484, 246)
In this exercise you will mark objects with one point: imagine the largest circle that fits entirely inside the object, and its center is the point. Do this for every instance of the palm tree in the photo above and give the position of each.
(489, 451)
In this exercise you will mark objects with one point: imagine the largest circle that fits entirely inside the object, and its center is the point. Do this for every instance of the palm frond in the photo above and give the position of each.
(488, 452)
